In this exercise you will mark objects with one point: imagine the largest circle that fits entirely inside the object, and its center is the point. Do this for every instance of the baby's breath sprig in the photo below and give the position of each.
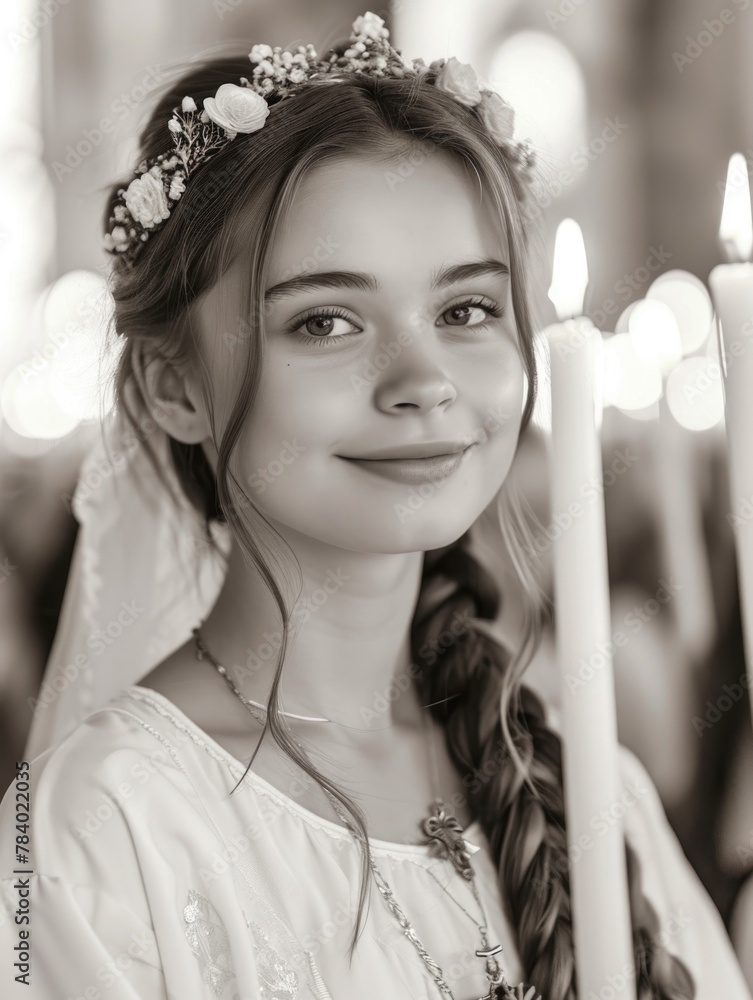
(195, 135)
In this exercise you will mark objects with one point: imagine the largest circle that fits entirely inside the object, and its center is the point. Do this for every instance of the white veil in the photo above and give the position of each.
(142, 576)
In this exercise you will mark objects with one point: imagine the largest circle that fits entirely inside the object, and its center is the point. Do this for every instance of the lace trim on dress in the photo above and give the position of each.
(379, 848)
(208, 940)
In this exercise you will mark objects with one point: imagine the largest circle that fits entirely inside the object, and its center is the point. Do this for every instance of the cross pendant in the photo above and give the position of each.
(445, 835)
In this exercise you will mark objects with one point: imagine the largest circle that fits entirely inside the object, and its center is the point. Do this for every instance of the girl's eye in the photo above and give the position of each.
(319, 325)
(462, 313)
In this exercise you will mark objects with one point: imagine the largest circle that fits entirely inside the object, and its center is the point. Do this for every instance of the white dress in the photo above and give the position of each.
(150, 881)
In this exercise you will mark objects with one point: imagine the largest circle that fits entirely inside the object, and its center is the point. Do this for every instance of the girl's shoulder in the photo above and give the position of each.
(105, 836)
(125, 766)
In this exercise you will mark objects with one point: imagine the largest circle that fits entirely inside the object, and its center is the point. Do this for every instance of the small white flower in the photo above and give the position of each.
(459, 80)
(259, 52)
(146, 201)
(174, 125)
(117, 240)
(177, 186)
(497, 115)
(370, 26)
(189, 104)
(237, 109)
(297, 75)
(120, 213)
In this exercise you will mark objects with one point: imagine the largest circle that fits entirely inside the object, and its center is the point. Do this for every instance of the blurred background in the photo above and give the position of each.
(634, 109)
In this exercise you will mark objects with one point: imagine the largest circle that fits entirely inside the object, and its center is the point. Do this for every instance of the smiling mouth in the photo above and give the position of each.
(414, 471)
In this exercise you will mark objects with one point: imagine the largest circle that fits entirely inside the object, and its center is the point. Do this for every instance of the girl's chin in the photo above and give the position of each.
(418, 531)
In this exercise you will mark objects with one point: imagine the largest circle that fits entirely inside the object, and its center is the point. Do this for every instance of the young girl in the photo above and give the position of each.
(321, 281)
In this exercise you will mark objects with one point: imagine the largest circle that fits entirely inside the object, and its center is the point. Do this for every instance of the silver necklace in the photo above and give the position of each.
(444, 838)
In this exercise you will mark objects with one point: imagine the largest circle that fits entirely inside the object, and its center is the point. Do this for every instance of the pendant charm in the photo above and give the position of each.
(445, 839)
(503, 991)
(489, 951)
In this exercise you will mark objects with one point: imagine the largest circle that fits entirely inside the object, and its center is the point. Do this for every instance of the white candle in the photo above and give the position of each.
(656, 338)
(732, 291)
(598, 870)
(683, 542)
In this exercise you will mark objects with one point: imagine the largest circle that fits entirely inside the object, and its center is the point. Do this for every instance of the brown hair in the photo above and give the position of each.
(493, 723)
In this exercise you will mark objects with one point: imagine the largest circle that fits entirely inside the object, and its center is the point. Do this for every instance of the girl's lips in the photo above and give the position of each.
(413, 471)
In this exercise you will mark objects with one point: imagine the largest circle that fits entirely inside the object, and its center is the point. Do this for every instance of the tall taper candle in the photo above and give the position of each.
(598, 869)
(732, 291)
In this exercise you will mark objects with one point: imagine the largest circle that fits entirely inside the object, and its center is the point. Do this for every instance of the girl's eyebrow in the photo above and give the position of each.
(362, 282)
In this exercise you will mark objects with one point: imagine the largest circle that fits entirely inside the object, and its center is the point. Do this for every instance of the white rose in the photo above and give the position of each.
(237, 109)
(497, 115)
(459, 79)
(369, 25)
(146, 201)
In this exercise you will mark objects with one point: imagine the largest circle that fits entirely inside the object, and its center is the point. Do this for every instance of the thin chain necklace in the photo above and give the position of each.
(444, 838)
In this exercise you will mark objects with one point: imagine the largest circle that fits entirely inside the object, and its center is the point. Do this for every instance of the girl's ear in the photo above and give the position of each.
(170, 395)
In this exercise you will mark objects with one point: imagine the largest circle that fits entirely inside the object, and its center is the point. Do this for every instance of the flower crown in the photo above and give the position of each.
(197, 135)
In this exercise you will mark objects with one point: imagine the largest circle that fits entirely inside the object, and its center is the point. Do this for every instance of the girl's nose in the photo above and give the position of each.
(414, 380)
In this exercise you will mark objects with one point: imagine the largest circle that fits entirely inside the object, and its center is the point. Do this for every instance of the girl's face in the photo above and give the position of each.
(389, 335)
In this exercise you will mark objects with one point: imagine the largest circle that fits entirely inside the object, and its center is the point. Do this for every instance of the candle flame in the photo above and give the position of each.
(569, 271)
(736, 229)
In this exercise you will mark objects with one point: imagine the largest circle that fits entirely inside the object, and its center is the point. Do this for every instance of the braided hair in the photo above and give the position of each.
(521, 805)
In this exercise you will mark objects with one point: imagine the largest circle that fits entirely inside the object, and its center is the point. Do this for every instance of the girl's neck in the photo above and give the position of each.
(349, 658)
